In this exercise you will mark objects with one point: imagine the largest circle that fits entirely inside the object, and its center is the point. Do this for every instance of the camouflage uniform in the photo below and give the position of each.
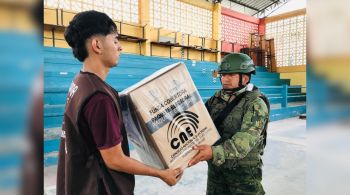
(236, 164)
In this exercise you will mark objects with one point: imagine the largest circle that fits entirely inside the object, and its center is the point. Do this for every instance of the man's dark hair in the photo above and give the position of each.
(83, 26)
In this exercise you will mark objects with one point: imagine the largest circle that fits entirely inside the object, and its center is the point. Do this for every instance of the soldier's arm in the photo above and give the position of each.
(243, 141)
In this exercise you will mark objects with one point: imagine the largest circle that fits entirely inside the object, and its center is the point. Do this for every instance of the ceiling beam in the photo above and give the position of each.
(269, 5)
(245, 5)
(261, 4)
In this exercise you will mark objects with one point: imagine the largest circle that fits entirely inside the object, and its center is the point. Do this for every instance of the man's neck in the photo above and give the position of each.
(95, 67)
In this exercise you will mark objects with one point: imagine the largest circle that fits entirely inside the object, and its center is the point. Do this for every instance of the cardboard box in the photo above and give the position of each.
(165, 117)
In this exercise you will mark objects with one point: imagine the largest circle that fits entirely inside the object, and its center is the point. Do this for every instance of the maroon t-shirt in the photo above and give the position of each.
(101, 119)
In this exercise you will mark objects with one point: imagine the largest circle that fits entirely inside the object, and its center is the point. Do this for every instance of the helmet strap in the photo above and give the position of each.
(250, 77)
(240, 80)
(233, 90)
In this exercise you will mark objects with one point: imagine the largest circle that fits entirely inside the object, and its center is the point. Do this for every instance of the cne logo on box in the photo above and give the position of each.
(183, 126)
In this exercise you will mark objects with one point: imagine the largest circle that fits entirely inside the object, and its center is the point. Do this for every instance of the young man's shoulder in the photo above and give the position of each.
(99, 99)
(100, 96)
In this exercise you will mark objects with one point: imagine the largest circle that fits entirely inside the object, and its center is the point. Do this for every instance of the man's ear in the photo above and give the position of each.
(245, 79)
(96, 45)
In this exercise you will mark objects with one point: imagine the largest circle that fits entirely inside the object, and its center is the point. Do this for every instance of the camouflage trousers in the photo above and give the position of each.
(234, 181)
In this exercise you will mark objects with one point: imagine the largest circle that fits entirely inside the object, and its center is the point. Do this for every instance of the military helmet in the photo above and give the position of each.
(236, 63)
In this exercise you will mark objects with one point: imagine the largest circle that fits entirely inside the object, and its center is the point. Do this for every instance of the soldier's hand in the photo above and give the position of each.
(171, 176)
(204, 153)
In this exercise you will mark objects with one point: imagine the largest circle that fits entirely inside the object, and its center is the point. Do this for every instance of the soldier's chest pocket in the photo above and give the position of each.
(216, 111)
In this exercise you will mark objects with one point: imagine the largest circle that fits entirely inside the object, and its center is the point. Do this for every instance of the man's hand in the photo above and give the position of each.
(171, 176)
(204, 153)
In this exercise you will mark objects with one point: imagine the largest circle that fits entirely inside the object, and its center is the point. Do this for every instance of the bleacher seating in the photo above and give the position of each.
(60, 67)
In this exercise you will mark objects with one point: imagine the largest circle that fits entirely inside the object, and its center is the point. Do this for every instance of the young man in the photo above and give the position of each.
(240, 113)
(94, 154)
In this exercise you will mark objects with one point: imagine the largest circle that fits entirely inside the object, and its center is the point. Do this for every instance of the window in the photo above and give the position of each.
(179, 16)
(121, 10)
(236, 31)
(290, 40)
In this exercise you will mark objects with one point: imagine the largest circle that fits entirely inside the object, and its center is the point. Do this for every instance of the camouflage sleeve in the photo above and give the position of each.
(243, 141)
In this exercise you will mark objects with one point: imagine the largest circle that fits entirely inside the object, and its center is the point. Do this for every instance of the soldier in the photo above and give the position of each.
(240, 113)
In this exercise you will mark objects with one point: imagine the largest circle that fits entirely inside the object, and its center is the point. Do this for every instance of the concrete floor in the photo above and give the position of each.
(283, 172)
